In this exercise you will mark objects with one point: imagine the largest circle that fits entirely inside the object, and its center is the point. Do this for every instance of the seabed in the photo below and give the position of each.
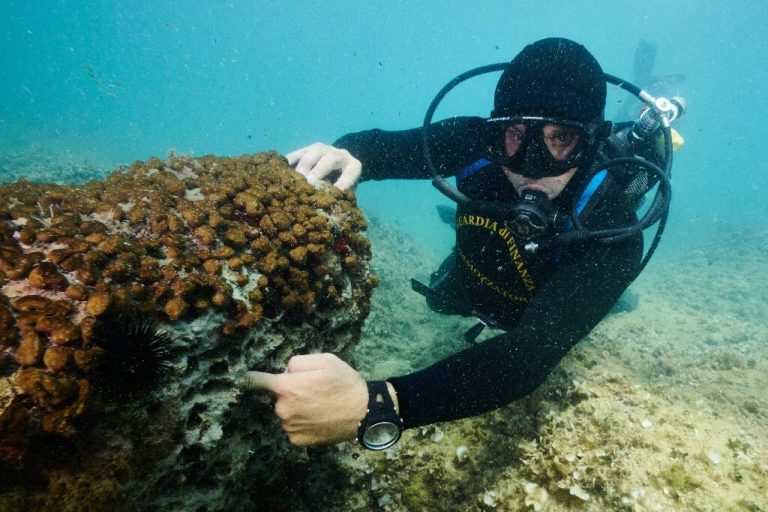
(663, 407)
(660, 408)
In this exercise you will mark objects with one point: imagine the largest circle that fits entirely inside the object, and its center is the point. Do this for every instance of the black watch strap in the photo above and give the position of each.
(381, 427)
(376, 389)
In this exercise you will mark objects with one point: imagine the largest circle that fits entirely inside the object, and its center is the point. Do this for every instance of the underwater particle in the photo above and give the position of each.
(137, 353)
(646, 423)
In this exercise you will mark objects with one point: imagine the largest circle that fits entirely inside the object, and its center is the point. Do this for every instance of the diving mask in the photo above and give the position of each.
(536, 147)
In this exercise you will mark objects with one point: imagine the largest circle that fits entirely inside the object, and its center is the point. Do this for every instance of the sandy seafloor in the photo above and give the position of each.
(664, 407)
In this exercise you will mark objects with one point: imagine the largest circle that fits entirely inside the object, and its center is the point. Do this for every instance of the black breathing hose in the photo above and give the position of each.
(657, 211)
(668, 150)
(439, 181)
(630, 88)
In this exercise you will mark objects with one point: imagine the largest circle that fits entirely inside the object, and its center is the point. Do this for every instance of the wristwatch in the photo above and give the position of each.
(381, 427)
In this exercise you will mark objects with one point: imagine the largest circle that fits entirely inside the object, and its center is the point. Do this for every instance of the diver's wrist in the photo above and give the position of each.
(382, 426)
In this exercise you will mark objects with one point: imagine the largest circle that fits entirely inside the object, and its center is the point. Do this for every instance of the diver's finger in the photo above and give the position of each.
(349, 175)
(295, 155)
(307, 363)
(326, 164)
(261, 380)
(311, 156)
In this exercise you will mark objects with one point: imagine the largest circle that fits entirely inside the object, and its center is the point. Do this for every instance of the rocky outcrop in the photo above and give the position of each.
(130, 309)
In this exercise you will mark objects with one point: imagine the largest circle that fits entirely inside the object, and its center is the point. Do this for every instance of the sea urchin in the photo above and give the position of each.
(137, 353)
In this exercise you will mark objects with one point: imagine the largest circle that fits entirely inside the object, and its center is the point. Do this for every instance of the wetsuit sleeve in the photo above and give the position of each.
(514, 364)
(454, 144)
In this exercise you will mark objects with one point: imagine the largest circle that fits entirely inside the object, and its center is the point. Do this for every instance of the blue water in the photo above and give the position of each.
(113, 82)
(108, 82)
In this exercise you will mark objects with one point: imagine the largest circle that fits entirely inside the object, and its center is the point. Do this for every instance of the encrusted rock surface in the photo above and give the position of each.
(239, 261)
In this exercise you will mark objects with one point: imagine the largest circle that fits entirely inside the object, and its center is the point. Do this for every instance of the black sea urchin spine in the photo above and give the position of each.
(137, 353)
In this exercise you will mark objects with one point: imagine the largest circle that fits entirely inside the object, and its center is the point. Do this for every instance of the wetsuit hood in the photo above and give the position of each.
(553, 77)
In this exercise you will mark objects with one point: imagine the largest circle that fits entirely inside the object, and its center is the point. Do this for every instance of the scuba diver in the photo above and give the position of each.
(549, 232)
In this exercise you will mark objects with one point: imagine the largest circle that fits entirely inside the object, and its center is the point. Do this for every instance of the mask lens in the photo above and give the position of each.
(537, 146)
(514, 136)
(561, 140)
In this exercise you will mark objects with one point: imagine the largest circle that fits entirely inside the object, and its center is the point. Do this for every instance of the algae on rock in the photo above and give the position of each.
(239, 262)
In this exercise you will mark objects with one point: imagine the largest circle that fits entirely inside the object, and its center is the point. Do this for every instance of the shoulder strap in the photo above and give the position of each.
(587, 195)
(472, 168)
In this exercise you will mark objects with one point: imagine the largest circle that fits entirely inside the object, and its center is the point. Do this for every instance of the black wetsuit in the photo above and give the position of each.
(546, 301)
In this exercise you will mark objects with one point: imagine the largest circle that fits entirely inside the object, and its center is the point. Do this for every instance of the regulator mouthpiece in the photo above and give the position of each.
(533, 216)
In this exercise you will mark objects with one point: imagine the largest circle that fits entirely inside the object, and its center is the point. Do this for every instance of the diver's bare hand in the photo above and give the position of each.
(318, 160)
(320, 398)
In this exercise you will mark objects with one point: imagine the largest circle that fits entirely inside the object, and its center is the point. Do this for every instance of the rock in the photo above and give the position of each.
(225, 265)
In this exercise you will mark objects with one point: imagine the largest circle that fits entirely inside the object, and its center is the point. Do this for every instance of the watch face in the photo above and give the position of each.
(382, 435)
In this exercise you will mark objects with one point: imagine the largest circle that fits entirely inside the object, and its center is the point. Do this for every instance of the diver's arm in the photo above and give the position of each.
(379, 154)
(454, 143)
(514, 364)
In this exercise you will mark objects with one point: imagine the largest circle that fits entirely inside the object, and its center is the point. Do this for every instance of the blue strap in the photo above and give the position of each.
(594, 183)
(468, 170)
